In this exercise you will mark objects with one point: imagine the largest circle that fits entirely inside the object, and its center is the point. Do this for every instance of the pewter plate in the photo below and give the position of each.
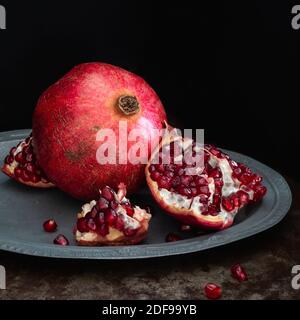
(24, 209)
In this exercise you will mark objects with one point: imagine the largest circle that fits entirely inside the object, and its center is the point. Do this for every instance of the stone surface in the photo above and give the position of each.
(267, 257)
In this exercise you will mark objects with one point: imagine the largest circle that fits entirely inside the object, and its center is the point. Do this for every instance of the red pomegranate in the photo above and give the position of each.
(111, 220)
(21, 165)
(69, 115)
(210, 197)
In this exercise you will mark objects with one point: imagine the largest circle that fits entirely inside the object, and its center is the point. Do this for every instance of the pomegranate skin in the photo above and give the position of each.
(68, 116)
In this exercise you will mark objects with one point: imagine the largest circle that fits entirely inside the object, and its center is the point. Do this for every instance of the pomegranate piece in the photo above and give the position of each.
(239, 273)
(172, 237)
(102, 96)
(111, 220)
(207, 194)
(50, 225)
(212, 291)
(21, 165)
(61, 240)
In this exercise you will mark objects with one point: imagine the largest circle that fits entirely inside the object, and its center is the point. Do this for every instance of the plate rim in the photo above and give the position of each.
(147, 251)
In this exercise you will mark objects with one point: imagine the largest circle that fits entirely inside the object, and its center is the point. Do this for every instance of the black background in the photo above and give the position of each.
(231, 68)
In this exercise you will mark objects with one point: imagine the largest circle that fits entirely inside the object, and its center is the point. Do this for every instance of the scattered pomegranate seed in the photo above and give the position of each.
(239, 273)
(212, 291)
(61, 240)
(50, 225)
(171, 237)
(107, 193)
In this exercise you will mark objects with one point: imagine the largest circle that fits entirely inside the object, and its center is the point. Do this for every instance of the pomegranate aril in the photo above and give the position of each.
(215, 173)
(171, 237)
(94, 212)
(244, 197)
(61, 240)
(160, 168)
(25, 176)
(19, 158)
(102, 203)
(155, 175)
(203, 190)
(213, 210)
(91, 224)
(110, 217)
(176, 182)
(259, 192)
(245, 178)
(215, 152)
(216, 199)
(185, 180)
(170, 167)
(212, 291)
(29, 157)
(218, 184)
(180, 172)
(119, 224)
(239, 273)
(129, 210)
(194, 191)
(29, 168)
(81, 225)
(35, 178)
(130, 232)
(203, 198)
(103, 230)
(107, 193)
(100, 218)
(18, 172)
(164, 182)
(185, 191)
(114, 205)
(50, 225)
(237, 172)
(227, 205)
(169, 174)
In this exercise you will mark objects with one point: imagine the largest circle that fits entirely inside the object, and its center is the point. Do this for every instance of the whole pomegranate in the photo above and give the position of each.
(69, 115)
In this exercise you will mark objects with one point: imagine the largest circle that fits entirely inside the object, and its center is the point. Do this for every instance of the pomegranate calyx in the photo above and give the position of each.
(129, 105)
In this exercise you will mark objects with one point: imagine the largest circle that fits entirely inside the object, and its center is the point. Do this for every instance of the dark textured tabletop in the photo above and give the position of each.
(267, 257)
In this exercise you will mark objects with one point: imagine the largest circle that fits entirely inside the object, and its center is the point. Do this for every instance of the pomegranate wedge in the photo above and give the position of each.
(111, 220)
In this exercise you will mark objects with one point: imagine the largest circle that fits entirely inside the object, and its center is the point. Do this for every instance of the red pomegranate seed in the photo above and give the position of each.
(81, 225)
(91, 224)
(244, 197)
(107, 193)
(18, 172)
(119, 224)
(9, 160)
(110, 217)
(19, 157)
(213, 210)
(164, 182)
(203, 190)
(171, 237)
(239, 273)
(215, 152)
(35, 178)
(25, 176)
(212, 291)
(176, 182)
(185, 180)
(185, 191)
(155, 175)
(50, 225)
(129, 209)
(130, 232)
(100, 218)
(61, 240)
(160, 168)
(102, 204)
(103, 230)
(227, 205)
(94, 212)
(215, 173)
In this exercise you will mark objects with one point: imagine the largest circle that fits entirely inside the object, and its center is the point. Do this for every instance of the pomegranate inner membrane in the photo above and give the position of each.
(216, 184)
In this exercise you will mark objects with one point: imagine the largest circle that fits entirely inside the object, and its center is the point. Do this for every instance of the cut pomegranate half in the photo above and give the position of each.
(205, 194)
(21, 165)
(111, 220)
